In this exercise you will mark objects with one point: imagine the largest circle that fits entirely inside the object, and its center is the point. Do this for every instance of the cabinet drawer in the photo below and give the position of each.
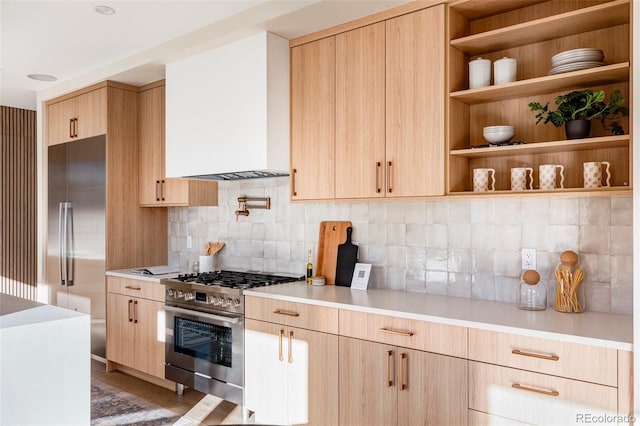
(136, 288)
(318, 318)
(408, 333)
(572, 360)
(536, 398)
(478, 418)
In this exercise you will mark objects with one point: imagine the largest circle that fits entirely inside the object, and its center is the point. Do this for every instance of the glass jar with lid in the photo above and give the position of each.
(569, 288)
(533, 292)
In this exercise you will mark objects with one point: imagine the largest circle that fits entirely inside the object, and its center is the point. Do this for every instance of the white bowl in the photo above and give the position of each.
(497, 134)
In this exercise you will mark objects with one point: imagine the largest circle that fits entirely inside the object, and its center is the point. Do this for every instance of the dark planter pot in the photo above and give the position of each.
(577, 129)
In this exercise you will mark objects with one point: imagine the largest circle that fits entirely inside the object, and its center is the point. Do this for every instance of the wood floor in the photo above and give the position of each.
(196, 408)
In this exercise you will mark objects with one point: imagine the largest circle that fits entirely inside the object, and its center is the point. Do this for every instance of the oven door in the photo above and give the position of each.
(205, 343)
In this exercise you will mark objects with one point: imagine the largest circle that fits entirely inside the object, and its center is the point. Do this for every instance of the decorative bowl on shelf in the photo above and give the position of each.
(498, 134)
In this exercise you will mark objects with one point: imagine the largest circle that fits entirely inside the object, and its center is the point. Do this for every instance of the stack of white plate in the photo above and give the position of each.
(576, 59)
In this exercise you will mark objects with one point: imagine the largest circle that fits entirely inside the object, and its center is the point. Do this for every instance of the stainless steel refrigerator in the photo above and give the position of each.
(76, 231)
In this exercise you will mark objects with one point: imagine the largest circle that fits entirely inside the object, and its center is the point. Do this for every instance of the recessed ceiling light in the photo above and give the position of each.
(42, 77)
(105, 10)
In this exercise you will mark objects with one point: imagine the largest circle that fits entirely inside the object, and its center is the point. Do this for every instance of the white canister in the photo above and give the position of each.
(207, 263)
(479, 73)
(504, 70)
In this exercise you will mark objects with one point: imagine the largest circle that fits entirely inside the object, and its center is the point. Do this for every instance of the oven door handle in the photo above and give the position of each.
(202, 314)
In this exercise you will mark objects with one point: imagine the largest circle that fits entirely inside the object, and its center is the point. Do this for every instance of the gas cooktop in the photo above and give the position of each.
(235, 279)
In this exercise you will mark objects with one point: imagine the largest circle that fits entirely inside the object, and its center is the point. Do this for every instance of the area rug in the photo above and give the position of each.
(113, 406)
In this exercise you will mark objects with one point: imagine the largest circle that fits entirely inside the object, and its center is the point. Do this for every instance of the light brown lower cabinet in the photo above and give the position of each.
(135, 334)
(390, 385)
(290, 374)
(538, 399)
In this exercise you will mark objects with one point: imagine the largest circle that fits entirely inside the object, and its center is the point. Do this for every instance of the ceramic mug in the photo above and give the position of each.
(479, 73)
(519, 178)
(547, 176)
(481, 180)
(593, 174)
(504, 70)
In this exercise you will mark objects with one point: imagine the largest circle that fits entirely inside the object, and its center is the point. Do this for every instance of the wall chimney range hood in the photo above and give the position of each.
(227, 111)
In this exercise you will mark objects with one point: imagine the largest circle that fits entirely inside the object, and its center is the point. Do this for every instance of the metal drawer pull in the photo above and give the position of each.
(129, 310)
(542, 391)
(293, 182)
(399, 333)
(290, 347)
(547, 357)
(389, 358)
(287, 313)
(280, 356)
(403, 360)
(132, 288)
(135, 312)
(378, 166)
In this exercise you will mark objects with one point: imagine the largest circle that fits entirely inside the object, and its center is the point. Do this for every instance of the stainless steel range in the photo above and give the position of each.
(205, 330)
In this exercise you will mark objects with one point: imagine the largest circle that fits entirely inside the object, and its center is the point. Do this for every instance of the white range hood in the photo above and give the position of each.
(227, 111)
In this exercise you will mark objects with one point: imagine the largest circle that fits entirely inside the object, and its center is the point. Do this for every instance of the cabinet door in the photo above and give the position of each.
(92, 114)
(59, 121)
(368, 386)
(265, 384)
(360, 112)
(149, 337)
(151, 145)
(415, 92)
(312, 378)
(432, 389)
(313, 120)
(120, 329)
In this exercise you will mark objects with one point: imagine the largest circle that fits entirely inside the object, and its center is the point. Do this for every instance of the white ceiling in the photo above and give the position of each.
(69, 40)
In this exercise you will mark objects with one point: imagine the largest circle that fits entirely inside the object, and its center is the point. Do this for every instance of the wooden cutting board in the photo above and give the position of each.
(332, 234)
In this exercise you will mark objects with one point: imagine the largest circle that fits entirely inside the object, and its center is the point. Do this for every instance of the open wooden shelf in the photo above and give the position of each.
(475, 9)
(597, 191)
(565, 24)
(545, 147)
(607, 74)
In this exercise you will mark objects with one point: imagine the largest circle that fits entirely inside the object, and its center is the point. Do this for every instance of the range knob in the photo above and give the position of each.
(179, 294)
(211, 300)
(226, 302)
(189, 295)
(236, 303)
(218, 301)
(171, 292)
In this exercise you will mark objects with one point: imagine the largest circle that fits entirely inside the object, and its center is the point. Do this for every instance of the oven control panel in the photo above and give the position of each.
(220, 301)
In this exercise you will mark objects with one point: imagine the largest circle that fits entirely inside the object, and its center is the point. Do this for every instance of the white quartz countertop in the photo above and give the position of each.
(18, 312)
(592, 328)
(126, 273)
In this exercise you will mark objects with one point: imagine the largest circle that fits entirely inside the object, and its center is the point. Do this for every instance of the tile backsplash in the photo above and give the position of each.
(457, 247)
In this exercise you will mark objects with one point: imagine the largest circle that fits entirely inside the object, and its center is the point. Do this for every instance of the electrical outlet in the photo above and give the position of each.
(189, 242)
(528, 258)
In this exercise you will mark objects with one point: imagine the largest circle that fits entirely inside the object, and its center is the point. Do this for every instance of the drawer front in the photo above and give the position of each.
(408, 333)
(535, 398)
(564, 359)
(478, 418)
(136, 288)
(311, 317)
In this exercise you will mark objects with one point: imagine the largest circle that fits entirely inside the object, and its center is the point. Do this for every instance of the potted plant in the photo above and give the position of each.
(576, 110)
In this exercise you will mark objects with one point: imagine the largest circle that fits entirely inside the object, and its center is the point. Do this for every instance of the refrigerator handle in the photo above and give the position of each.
(71, 255)
(62, 249)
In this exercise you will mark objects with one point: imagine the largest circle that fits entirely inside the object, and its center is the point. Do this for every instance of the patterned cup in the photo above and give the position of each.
(519, 178)
(547, 176)
(481, 180)
(593, 174)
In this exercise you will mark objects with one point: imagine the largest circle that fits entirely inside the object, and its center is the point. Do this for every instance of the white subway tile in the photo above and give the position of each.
(563, 211)
(595, 211)
(621, 240)
(416, 235)
(396, 233)
(622, 270)
(459, 285)
(594, 239)
(622, 210)
(416, 213)
(562, 237)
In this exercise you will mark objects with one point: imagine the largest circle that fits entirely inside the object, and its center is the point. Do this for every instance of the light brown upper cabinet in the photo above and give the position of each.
(155, 189)
(533, 32)
(313, 98)
(367, 110)
(77, 117)
(415, 92)
(360, 108)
